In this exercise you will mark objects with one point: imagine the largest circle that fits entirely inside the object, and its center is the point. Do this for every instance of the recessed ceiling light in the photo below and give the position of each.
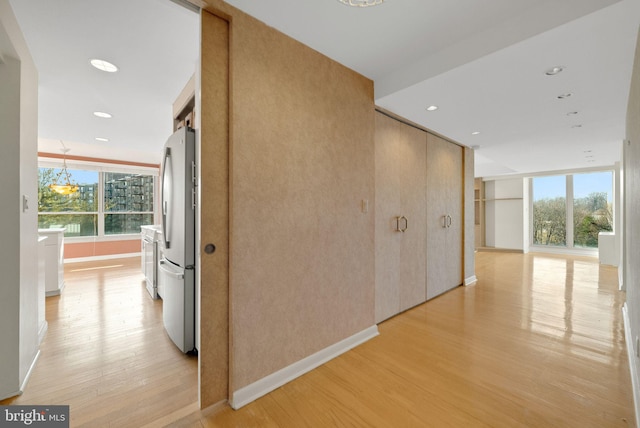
(104, 140)
(475, 133)
(432, 108)
(553, 71)
(563, 96)
(572, 113)
(103, 65)
(102, 114)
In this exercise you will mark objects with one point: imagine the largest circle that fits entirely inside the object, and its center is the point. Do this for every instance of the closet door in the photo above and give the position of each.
(444, 215)
(400, 217)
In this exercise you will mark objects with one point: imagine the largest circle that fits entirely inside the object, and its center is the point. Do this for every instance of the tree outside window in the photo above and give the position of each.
(127, 203)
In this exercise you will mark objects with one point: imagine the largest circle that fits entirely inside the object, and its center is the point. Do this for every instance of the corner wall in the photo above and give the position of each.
(506, 214)
(631, 258)
(19, 225)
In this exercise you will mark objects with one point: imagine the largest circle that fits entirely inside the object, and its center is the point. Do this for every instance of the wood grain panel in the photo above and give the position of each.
(214, 210)
(302, 255)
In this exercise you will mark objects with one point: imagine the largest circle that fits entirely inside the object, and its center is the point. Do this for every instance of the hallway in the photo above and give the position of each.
(538, 341)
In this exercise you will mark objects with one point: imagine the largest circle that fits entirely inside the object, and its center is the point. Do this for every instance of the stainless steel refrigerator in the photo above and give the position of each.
(176, 268)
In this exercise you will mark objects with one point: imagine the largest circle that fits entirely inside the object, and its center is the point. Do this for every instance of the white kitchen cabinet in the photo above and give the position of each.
(54, 260)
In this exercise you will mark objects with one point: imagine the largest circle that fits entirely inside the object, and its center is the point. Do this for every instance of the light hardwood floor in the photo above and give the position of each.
(106, 353)
(537, 342)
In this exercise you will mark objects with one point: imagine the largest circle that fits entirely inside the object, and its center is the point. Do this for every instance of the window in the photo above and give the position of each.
(128, 202)
(549, 211)
(592, 208)
(77, 212)
(106, 203)
(571, 210)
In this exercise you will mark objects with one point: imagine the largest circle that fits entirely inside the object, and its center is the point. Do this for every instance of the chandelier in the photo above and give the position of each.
(361, 3)
(65, 187)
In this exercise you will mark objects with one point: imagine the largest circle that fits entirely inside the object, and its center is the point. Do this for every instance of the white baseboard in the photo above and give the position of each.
(635, 384)
(470, 281)
(31, 367)
(96, 258)
(267, 384)
(43, 330)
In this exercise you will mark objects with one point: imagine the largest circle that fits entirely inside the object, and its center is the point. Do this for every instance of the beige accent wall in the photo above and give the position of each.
(301, 163)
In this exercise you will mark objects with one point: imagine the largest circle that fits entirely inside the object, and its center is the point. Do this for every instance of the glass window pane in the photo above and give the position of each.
(550, 211)
(128, 192)
(75, 224)
(115, 224)
(84, 200)
(592, 207)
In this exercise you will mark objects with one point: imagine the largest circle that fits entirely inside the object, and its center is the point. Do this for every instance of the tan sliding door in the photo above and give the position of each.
(401, 174)
(444, 215)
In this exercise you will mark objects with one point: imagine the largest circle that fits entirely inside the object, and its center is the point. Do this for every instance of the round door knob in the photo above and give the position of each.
(209, 248)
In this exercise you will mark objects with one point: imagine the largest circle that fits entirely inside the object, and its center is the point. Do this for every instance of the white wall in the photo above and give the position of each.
(631, 232)
(506, 213)
(18, 173)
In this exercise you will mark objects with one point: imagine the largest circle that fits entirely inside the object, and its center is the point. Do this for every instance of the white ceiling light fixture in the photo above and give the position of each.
(102, 139)
(475, 133)
(361, 3)
(432, 108)
(103, 65)
(102, 115)
(555, 70)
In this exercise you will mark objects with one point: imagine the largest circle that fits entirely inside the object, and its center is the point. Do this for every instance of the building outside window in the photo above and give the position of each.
(106, 203)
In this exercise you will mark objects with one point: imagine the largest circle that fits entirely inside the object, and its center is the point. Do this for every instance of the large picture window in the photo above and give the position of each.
(571, 210)
(106, 203)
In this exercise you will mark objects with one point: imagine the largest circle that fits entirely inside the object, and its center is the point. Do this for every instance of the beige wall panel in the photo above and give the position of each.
(214, 187)
(302, 250)
(387, 208)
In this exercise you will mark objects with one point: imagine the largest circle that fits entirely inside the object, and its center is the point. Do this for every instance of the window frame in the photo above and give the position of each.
(103, 167)
(570, 247)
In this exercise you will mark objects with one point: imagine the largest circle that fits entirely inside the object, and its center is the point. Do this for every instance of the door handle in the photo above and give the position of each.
(406, 224)
(444, 221)
(448, 221)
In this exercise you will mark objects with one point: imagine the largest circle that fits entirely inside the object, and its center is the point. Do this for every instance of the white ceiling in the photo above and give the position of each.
(153, 42)
(482, 63)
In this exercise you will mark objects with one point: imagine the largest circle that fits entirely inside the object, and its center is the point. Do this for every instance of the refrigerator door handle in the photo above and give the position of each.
(166, 197)
(162, 266)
